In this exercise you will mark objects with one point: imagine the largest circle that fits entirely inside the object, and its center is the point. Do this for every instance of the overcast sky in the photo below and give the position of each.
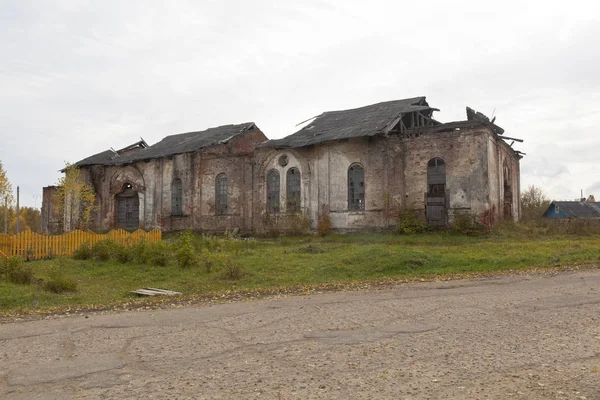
(78, 77)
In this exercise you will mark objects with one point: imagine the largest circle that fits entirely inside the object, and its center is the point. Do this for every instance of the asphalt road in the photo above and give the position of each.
(510, 337)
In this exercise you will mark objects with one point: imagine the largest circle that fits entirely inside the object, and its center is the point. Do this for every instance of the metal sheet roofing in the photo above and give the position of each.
(578, 209)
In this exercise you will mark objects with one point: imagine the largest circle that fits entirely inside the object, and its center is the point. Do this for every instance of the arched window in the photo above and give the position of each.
(356, 187)
(436, 178)
(221, 194)
(292, 190)
(273, 191)
(508, 193)
(176, 197)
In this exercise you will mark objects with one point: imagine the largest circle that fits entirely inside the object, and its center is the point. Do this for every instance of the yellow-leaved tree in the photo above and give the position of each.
(6, 199)
(74, 199)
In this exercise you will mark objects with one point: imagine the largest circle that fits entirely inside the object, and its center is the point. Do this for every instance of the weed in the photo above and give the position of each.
(324, 224)
(14, 271)
(234, 270)
(410, 223)
(84, 252)
(468, 224)
(59, 283)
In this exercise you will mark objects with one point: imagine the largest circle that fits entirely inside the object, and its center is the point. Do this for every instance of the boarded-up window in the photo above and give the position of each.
(176, 197)
(128, 208)
(293, 190)
(221, 194)
(273, 191)
(436, 178)
(356, 187)
(435, 201)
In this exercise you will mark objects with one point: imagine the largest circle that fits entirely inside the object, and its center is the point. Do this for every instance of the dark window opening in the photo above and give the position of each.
(508, 195)
(273, 191)
(293, 190)
(221, 194)
(356, 187)
(435, 198)
(437, 190)
(176, 197)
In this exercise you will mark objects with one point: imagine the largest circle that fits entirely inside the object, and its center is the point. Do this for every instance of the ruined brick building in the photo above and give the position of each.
(360, 168)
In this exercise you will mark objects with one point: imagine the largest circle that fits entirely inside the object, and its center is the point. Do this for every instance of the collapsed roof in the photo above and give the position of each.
(369, 120)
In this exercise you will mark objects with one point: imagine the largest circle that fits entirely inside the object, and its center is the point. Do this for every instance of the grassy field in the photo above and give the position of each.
(293, 262)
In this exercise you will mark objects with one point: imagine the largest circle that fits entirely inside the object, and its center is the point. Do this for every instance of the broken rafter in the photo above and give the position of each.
(511, 138)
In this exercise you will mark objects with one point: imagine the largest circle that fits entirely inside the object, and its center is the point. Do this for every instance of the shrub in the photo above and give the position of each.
(59, 283)
(105, 250)
(299, 224)
(467, 224)
(214, 261)
(409, 222)
(186, 254)
(234, 271)
(140, 253)
(159, 253)
(125, 254)
(13, 270)
(84, 252)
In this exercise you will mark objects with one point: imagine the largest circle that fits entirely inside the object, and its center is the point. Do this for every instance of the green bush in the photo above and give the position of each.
(214, 261)
(105, 250)
(125, 254)
(186, 253)
(84, 252)
(13, 270)
(59, 283)
(467, 224)
(409, 222)
(159, 253)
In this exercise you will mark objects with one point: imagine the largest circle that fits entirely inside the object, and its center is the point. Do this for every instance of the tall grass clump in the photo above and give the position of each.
(58, 282)
(13, 270)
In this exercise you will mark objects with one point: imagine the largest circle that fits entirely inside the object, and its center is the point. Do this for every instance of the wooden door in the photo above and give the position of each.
(128, 210)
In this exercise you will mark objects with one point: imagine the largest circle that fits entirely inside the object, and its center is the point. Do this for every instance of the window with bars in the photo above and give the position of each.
(293, 190)
(176, 197)
(273, 191)
(221, 194)
(356, 187)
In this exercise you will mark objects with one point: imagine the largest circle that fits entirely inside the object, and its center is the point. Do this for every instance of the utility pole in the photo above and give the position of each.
(17, 232)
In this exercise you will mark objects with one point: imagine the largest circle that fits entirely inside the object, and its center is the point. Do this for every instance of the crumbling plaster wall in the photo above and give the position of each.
(395, 172)
(153, 180)
(499, 155)
(324, 169)
(465, 154)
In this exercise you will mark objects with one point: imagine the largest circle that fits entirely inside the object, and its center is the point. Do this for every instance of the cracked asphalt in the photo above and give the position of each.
(516, 336)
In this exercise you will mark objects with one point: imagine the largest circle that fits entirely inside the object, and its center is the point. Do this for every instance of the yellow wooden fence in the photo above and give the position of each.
(35, 246)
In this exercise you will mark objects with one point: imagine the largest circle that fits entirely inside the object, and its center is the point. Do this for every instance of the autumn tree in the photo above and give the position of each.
(533, 203)
(6, 197)
(29, 219)
(74, 199)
